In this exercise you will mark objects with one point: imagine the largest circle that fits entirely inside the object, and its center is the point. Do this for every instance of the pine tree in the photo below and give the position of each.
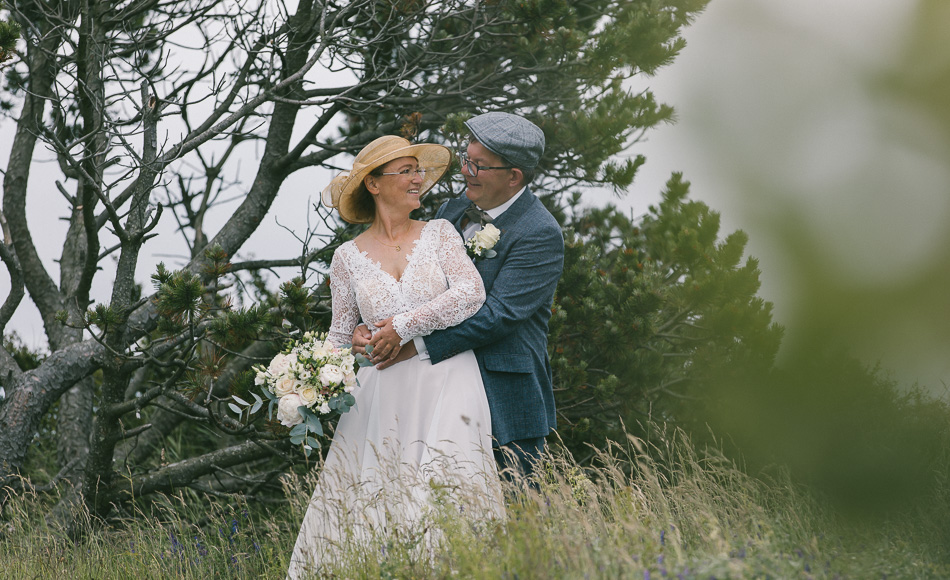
(9, 35)
(648, 314)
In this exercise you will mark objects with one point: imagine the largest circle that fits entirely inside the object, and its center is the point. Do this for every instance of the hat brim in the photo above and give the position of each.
(435, 159)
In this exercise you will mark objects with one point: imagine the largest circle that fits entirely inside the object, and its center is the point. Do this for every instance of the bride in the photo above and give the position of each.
(417, 429)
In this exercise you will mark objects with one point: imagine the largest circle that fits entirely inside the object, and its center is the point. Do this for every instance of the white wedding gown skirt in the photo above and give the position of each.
(420, 434)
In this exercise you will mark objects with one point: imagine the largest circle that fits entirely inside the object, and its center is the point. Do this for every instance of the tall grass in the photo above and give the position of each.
(641, 512)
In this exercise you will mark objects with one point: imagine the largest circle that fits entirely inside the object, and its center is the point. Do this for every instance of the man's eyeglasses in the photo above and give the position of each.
(421, 172)
(474, 168)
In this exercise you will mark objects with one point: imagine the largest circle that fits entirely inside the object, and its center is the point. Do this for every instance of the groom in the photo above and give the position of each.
(509, 332)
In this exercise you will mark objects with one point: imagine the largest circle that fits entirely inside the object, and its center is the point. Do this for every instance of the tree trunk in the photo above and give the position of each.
(30, 396)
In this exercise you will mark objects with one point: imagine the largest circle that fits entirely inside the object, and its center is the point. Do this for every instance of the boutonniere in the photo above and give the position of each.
(480, 245)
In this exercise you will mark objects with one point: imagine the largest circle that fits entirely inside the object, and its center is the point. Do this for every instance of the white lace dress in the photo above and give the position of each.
(416, 427)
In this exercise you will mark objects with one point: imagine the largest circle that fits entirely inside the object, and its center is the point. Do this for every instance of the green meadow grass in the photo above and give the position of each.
(658, 512)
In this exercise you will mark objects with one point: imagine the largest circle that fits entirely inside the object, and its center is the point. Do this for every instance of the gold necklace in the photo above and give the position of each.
(397, 246)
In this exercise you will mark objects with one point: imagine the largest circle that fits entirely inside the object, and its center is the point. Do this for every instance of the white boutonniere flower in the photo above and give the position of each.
(480, 245)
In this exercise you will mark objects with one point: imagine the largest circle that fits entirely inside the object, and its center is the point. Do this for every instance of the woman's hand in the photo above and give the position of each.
(385, 342)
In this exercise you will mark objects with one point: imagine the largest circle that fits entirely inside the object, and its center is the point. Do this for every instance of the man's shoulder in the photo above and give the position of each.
(537, 217)
(456, 200)
(458, 203)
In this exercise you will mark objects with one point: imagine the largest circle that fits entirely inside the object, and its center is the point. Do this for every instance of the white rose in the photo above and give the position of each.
(308, 395)
(279, 364)
(260, 379)
(319, 350)
(284, 386)
(330, 375)
(488, 236)
(287, 412)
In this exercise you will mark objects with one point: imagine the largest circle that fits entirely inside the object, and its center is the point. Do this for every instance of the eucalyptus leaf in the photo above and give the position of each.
(240, 400)
(369, 349)
(349, 399)
(256, 407)
(362, 360)
(313, 423)
(317, 429)
(313, 443)
(490, 253)
(299, 429)
(297, 439)
(235, 408)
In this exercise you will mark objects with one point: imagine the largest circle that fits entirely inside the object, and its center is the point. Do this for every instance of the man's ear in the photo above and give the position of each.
(517, 178)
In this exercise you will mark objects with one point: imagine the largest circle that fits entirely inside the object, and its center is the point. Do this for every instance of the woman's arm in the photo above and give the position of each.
(346, 312)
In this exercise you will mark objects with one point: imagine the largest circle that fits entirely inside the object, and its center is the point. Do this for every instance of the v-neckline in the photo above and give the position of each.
(409, 256)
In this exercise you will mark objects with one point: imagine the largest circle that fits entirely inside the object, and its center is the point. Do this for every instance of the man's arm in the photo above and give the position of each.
(525, 283)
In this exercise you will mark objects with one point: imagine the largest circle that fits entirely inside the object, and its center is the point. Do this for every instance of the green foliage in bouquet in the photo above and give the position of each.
(647, 311)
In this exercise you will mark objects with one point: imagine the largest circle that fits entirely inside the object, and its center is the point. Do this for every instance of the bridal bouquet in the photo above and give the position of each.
(309, 379)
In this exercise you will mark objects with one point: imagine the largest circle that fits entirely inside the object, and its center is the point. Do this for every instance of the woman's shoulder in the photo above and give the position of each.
(443, 232)
(341, 252)
(441, 226)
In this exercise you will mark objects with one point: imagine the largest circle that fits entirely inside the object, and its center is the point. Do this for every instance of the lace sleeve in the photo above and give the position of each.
(346, 312)
(465, 295)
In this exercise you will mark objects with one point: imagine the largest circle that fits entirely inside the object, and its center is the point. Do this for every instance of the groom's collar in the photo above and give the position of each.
(497, 211)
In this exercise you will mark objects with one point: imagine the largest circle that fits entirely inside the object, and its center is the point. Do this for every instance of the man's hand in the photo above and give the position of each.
(361, 338)
(385, 342)
(407, 352)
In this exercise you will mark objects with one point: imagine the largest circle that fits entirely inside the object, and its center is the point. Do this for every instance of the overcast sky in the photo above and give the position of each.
(775, 117)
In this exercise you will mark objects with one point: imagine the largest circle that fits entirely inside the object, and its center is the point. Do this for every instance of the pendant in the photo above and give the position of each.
(398, 249)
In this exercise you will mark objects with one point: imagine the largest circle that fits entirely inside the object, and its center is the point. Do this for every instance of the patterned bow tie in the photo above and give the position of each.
(476, 215)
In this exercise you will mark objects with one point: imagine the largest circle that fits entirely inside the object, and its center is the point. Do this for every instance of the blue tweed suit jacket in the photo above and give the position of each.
(509, 334)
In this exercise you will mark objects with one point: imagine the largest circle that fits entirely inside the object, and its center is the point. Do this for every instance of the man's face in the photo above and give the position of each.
(491, 187)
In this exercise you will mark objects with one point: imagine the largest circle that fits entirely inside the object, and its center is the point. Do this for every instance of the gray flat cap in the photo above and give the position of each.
(515, 138)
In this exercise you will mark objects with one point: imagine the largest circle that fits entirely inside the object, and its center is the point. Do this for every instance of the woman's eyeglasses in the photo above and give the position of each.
(421, 172)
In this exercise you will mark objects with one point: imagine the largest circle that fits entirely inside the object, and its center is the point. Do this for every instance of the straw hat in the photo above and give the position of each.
(341, 192)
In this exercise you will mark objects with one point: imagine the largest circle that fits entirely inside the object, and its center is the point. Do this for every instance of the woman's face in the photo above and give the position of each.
(397, 189)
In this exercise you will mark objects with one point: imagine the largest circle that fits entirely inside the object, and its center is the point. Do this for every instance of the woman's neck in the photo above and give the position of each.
(388, 227)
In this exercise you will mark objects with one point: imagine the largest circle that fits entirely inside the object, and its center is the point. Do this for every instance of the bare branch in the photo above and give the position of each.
(182, 473)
